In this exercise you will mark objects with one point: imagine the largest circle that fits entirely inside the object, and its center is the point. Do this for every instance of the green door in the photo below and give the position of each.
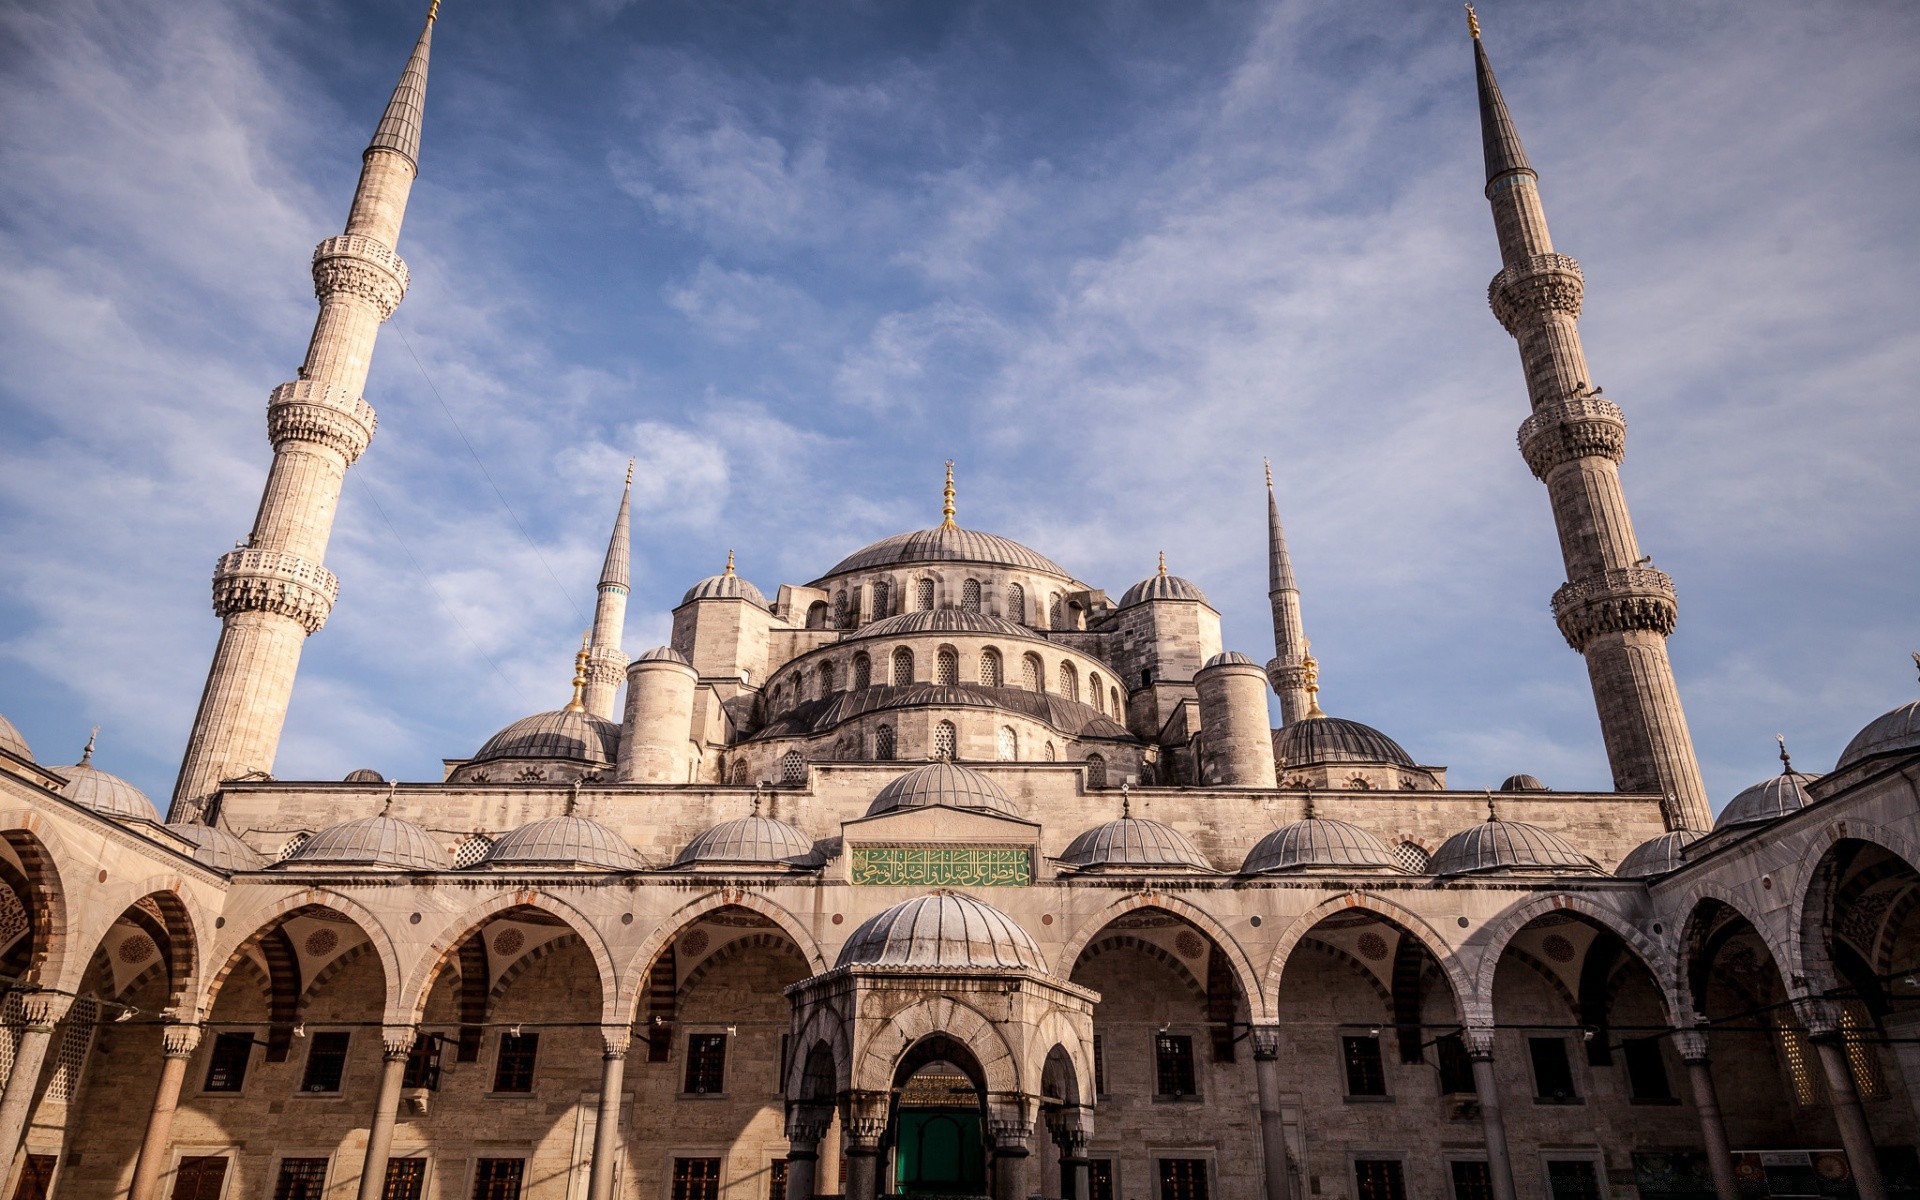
(939, 1153)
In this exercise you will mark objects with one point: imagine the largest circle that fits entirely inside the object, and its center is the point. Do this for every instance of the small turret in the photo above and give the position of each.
(1236, 742)
(656, 744)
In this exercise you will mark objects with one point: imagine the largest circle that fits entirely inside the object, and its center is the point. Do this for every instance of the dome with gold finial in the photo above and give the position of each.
(1162, 586)
(571, 736)
(946, 542)
(727, 585)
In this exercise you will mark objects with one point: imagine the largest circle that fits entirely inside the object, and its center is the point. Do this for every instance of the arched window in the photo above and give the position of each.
(990, 674)
(1411, 857)
(817, 615)
(1119, 712)
(923, 594)
(1006, 746)
(826, 680)
(902, 667)
(862, 671)
(970, 595)
(1096, 693)
(740, 772)
(946, 666)
(1033, 676)
(1096, 771)
(1069, 681)
(883, 743)
(1053, 613)
(882, 599)
(1052, 754)
(1016, 603)
(470, 852)
(840, 610)
(793, 767)
(946, 740)
(293, 845)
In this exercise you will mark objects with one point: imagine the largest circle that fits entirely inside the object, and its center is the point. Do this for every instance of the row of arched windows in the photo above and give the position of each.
(946, 745)
(846, 605)
(823, 680)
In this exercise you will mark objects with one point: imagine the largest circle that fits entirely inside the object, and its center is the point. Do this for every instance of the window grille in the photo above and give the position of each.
(423, 1064)
(1069, 681)
(1007, 746)
(1032, 676)
(1096, 692)
(12, 1020)
(923, 593)
(513, 1069)
(1807, 1089)
(1096, 771)
(1052, 754)
(883, 743)
(1856, 1025)
(840, 610)
(1366, 1073)
(326, 1062)
(882, 600)
(293, 844)
(227, 1064)
(1183, 1179)
(497, 1178)
(1552, 1070)
(826, 680)
(1379, 1179)
(405, 1179)
(1173, 1064)
(793, 767)
(1411, 857)
(777, 1180)
(1100, 1179)
(1472, 1179)
(301, 1179)
(902, 667)
(946, 667)
(970, 595)
(696, 1179)
(1016, 603)
(76, 1039)
(1099, 1066)
(472, 851)
(706, 1064)
(199, 1177)
(945, 740)
(1053, 612)
(862, 672)
(990, 668)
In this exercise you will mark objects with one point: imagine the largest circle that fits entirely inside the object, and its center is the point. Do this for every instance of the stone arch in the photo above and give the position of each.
(1548, 977)
(173, 930)
(46, 901)
(823, 1025)
(326, 974)
(1244, 974)
(1056, 1036)
(1497, 936)
(633, 979)
(444, 947)
(519, 966)
(227, 950)
(1159, 954)
(1808, 956)
(1408, 922)
(941, 1016)
(1695, 948)
(737, 948)
(1356, 968)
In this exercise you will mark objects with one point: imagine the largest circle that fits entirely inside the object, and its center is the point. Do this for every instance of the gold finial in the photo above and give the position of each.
(629, 472)
(433, 12)
(1493, 814)
(1310, 667)
(1473, 23)
(1126, 802)
(946, 509)
(1163, 564)
(579, 701)
(1786, 762)
(729, 562)
(1268, 464)
(86, 755)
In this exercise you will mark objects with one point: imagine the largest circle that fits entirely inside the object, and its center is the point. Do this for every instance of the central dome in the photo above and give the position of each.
(944, 620)
(946, 543)
(1317, 740)
(942, 929)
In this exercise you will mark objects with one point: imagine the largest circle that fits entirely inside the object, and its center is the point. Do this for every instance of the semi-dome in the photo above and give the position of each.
(943, 620)
(90, 787)
(1889, 733)
(571, 734)
(943, 785)
(1657, 856)
(1766, 800)
(1317, 842)
(1318, 740)
(1522, 783)
(943, 544)
(753, 841)
(1134, 842)
(1162, 586)
(663, 654)
(1496, 845)
(563, 841)
(725, 586)
(942, 929)
(219, 849)
(373, 842)
(1229, 658)
(364, 775)
(12, 742)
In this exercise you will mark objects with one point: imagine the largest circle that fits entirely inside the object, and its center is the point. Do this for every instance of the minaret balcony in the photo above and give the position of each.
(1540, 283)
(274, 581)
(361, 266)
(323, 414)
(1574, 428)
(1621, 600)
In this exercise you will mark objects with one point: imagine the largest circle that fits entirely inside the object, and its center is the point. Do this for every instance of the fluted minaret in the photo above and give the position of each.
(271, 592)
(1616, 609)
(1288, 670)
(606, 662)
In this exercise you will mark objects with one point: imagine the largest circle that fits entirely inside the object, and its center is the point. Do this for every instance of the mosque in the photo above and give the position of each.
(946, 873)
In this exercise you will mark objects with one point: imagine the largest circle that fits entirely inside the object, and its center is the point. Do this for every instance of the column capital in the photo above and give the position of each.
(1819, 1015)
(180, 1039)
(866, 1121)
(1691, 1044)
(44, 1010)
(1478, 1039)
(1266, 1043)
(614, 1040)
(806, 1125)
(1010, 1126)
(397, 1041)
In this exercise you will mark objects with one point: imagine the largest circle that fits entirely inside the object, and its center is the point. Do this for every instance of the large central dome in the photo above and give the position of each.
(946, 543)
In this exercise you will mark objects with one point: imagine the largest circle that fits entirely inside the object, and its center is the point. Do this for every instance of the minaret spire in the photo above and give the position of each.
(1616, 609)
(271, 592)
(1288, 670)
(606, 662)
(946, 505)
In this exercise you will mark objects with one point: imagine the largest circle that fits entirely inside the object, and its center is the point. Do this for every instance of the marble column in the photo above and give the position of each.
(607, 1141)
(1822, 1020)
(1071, 1128)
(1011, 1132)
(865, 1121)
(806, 1125)
(1275, 1166)
(43, 1011)
(1486, 1088)
(396, 1046)
(1692, 1045)
(177, 1044)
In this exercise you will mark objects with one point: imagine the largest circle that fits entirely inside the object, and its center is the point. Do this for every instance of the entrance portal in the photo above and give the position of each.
(938, 1147)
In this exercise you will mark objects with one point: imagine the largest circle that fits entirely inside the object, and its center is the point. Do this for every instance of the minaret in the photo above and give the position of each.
(271, 592)
(1616, 609)
(1287, 672)
(606, 663)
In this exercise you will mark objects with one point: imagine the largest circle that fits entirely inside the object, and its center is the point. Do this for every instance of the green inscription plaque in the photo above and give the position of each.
(943, 866)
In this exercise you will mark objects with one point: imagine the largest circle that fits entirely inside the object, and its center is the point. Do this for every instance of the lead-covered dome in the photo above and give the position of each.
(563, 841)
(753, 841)
(1317, 842)
(943, 785)
(725, 586)
(12, 742)
(943, 620)
(104, 793)
(946, 543)
(1496, 845)
(1657, 856)
(663, 654)
(1766, 800)
(1229, 658)
(1317, 740)
(1134, 842)
(1889, 733)
(372, 842)
(578, 736)
(1522, 783)
(1162, 587)
(942, 929)
(219, 849)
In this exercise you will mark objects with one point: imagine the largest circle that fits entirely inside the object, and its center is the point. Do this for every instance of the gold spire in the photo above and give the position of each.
(1163, 564)
(86, 755)
(579, 701)
(1473, 22)
(1310, 666)
(946, 509)
(629, 461)
(729, 562)
(433, 12)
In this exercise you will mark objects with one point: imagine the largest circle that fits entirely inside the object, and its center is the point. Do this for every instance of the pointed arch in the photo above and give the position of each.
(1495, 937)
(1810, 886)
(257, 926)
(46, 901)
(176, 933)
(633, 978)
(446, 945)
(939, 1016)
(1409, 923)
(1243, 971)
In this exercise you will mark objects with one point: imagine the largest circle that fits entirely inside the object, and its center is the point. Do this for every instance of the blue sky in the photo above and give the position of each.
(1105, 255)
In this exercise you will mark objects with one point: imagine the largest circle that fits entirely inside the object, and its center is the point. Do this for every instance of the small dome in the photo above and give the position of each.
(943, 785)
(945, 543)
(725, 586)
(219, 849)
(1318, 740)
(578, 736)
(943, 620)
(1522, 783)
(12, 742)
(1657, 856)
(1162, 587)
(1498, 845)
(1766, 800)
(942, 929)
(1134, 842)
(1317, 842)
(1888, 733)
(1230, 658)
(373, 842)
(664, 654)
(90, 787)
(750, 841)
(364, 775)
(565, 841)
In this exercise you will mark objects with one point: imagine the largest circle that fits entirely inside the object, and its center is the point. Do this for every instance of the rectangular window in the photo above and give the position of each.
(696, 1179)
(1552, 1071)
(1099, 1067)
(1100, 1179)
(36, 1176)
(513, 1072)
(706, 1064)
(1183, 1179)
(326, 1063)
(1456, 1067)
(1646, 1070)
(498, 1178)
(423, 1064)
(1472, 1180)
(199, 1177)
(301, 1179)
(1379, 1179)
(1366, 1074)
(1173, 1066)
(1572, 1180)
(777, 1180)
(227, 1064)
(406, 1179)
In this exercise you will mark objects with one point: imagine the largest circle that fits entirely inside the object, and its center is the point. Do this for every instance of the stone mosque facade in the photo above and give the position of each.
(949, 874)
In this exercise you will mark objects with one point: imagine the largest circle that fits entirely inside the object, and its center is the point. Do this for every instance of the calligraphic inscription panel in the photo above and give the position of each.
(943, 866)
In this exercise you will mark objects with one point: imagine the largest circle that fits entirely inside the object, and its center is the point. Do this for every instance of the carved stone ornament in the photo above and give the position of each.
(1582, 427)
(1543, 283)
(179, 1040)
(614, 1040)
(1478, 1039)
(359, 266)
(1818, 1015)
(396, 1041)
(807, 1124)
(1266, 1043)
(1690, 1044)
(43, 1010)
(321, 414)
(1624, 600)
(276, 582)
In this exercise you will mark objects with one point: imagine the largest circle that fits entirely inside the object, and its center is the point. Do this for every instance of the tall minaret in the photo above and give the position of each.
(272, 591)
(1616, 610)
(606, 662)
(1288, 670)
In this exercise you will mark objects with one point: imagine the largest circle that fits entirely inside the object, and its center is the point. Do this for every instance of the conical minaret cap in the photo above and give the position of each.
(399, 128)
(1498, 138)
(617, 570)
(1279, 561)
